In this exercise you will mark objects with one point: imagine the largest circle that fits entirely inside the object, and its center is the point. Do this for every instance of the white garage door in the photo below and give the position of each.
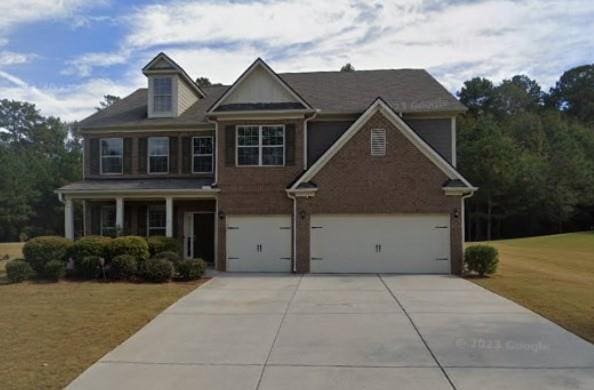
(380, 243)
(259, 243)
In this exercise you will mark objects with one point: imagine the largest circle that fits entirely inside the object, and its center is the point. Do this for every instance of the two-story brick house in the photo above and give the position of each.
(297, 172)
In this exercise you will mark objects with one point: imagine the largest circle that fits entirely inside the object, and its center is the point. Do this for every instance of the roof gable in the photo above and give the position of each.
(162, 63)
(259, 87)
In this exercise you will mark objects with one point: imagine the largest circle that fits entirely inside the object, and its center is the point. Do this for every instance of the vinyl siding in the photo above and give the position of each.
(436, 132)
(185, 96)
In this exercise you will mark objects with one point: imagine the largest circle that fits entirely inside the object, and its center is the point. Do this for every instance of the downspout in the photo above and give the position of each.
(216, 148)
(294, 231)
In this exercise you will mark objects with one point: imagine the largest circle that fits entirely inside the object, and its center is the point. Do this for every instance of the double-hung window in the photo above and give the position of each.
(108, 221)
(261, 145)
(112, 150)
(158, 154)
(202, 154)
(162, 94)
(156, 221)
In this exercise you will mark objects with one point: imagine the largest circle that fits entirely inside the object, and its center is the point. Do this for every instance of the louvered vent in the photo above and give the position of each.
(378, 142)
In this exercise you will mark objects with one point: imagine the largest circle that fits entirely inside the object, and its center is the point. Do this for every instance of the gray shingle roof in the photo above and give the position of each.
(405, 90)
(136, 184)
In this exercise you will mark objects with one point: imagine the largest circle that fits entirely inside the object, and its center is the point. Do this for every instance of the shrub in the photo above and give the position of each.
(41, 250)
(158, 244)
(18, 270)
(190, 269)
(54, 270)
(88, 267)
(130, 245)
(124, 267)
(91, 246)
(482, 259)
(168, 255)
(157, 270)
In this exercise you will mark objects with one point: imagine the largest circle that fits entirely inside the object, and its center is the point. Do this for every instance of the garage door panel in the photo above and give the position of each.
(374, 243)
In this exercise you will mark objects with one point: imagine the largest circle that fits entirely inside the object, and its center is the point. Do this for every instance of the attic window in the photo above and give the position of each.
(162, 93)
(378, 142)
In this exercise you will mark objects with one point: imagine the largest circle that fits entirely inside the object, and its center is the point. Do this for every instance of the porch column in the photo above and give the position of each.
(169, 216)
(68, 219)
(119, 215)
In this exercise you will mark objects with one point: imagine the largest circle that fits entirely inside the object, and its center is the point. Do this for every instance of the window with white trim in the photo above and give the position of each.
(158, 154)
(162, 94)
(107, 220)
(156, 221)
(378, 142)
(202, 154)
(112, 152)
(262, 145)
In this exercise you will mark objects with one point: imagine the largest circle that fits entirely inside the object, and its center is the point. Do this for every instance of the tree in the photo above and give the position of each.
(347, 68)
(574, 93)
(519, 94)
(204, 82)
(107, 101)
(476, 94)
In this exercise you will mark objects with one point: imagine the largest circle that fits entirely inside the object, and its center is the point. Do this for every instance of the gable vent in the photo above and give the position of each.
(378, 142)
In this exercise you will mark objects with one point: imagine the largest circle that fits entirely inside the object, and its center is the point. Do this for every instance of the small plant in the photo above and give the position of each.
(130, 245)
(157, 270)
(41, 250)
(88, 267)
(190, 269)
(158, 244)
(168, 255)
(18, 270)
(91, 246)
(54, 270)
(482, 259)
(124, 267)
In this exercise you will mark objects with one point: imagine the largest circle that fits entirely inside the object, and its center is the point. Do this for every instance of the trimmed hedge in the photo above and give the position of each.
(88, 267)
(130, 245)
(482, 259)
(18, 270)
(168, 255)
(157, 270)
(190, 269)
(54, 270)
(123, 267)
(158, 244)
(91, 246)
(41, 250)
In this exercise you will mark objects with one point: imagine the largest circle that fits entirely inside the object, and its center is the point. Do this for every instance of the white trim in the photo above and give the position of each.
(453, 131)
(260, 146)
(69, 219)
(250, 69)
(149, 155)
(176, 68)
(377, 132)
(204, 155)
(148, 219)
(141, 193)
(380, 106)
(250, 114)
(206, 127)
(101, 157)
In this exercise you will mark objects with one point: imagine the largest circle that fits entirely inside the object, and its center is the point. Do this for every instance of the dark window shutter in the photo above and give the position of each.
(172, 154)
(186, 155)
(290, 144)
(141, 223)
(95, 219)
(94, 157)
(127, 155)
(230, 145)
(142, 146)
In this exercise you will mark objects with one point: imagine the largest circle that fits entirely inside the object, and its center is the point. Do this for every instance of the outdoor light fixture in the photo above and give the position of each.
(456, 213)
(221, 214)
(302, 214)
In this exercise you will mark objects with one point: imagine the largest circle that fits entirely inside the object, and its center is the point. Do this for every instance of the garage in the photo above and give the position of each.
(416, 243)
(259, 243)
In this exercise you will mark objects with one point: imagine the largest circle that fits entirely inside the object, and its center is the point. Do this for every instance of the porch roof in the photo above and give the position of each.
(138, 185)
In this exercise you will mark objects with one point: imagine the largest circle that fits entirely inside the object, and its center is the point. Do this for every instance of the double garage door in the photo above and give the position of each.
(343, 243)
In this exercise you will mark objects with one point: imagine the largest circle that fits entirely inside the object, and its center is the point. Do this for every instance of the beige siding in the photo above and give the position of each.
(185, 96)
(259, 87)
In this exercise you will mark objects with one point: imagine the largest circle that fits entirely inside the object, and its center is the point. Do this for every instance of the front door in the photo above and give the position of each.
(199, 236)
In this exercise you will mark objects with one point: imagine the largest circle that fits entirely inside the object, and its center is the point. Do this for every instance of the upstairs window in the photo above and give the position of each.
(158, 154)
(162, 94)
(112, 150)
(202, 155)
(156, 221)
(261, 145)
(378, 142)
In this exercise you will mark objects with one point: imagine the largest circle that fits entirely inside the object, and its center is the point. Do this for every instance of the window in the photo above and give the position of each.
(261, 145)
(201, 154)
(111, 156)
(378, 142)
(158, 154)
(156, 221)
(162, 94)
(108, 221)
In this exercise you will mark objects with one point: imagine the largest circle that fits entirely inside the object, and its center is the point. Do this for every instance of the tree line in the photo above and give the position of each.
(531, 153)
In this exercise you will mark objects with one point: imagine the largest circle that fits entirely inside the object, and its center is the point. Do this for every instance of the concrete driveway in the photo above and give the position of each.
(275, 332)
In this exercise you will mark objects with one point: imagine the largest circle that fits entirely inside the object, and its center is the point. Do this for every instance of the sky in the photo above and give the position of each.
(64, 55)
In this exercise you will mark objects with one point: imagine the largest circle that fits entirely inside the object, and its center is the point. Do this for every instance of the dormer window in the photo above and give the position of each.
(162, 94)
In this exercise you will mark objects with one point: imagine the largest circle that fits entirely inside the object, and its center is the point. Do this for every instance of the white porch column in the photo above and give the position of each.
(68, 219)
(119, 215)
(169, 216)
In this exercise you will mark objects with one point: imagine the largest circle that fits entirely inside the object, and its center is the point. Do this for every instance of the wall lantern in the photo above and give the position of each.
(456, 213)
(221, 214)
(302, 214)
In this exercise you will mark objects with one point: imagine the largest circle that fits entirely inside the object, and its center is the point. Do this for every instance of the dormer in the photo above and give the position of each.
(170, 90)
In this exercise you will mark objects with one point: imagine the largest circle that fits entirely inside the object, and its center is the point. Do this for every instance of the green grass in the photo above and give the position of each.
(551, 275)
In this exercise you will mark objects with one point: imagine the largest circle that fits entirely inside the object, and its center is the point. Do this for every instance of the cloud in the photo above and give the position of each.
(16, 12)
(13, 58)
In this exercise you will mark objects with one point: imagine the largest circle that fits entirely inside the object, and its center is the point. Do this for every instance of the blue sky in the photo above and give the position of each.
(64, 55)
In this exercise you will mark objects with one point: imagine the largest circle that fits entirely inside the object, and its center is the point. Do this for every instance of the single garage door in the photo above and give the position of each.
(259, 243)
(380, 243)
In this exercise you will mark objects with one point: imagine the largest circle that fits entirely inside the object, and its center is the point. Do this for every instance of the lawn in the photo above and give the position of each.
(51, 332)
(551, 275)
